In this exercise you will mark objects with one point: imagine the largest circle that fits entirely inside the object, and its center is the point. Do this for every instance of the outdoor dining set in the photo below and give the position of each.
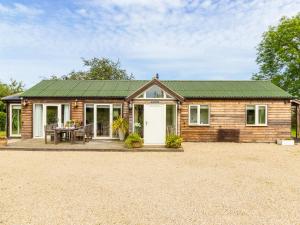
(70, 134)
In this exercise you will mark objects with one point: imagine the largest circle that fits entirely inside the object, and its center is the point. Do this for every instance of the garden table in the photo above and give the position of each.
(69, 131)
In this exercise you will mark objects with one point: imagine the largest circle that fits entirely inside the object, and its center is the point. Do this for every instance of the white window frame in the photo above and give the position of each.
(44, 105)
(176, 120)
(10, 121)
(198, 115)
(256, 124)
(164, 98)
(111, 106)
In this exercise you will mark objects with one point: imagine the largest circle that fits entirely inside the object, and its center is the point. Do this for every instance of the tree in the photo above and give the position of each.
(278, 55)
(98, 69)
(15, 86)
(9, 89)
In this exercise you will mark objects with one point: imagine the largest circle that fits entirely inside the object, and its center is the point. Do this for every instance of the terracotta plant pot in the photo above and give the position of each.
(3, 141)
(136, 144)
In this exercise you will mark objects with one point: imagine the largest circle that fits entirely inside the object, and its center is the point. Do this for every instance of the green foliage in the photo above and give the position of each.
(15, 86)
(278, 55)
(2, 121)
(133, 138)
(120, 124)
(9, 89)
(173, 141)
(98, 69)
(2, 134)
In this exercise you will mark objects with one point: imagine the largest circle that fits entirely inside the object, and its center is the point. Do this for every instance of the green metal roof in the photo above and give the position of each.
(185, 88)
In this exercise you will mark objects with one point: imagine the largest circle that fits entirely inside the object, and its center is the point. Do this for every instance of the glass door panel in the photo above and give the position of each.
(117, 110)
(15, 120)
(171, 119)
(103, 120)
(51, 114)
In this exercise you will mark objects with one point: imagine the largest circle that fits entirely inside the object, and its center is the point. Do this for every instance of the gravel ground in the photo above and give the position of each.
(209, 183)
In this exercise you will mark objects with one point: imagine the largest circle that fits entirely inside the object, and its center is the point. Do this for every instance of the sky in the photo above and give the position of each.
(179, 39)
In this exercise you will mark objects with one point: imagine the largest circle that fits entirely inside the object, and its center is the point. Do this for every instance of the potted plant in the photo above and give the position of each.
(173, 141)
(120, 125)
(69, 123)
(287, 141)
(138, 128)
(134, 141)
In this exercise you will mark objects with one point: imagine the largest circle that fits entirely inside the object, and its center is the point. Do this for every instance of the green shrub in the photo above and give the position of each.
(173, 141)
(132, 139)
(2, 120)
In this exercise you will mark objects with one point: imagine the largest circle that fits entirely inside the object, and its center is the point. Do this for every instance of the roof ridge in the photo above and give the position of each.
(167, 80)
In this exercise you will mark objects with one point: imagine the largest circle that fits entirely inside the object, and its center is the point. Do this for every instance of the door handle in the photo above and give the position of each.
(146, 123)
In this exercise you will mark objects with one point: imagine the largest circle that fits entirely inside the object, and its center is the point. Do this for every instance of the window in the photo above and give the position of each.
(155, 92)
(117, 112)
(89, 114)
(199, 115)
(65, 113)
(15, 120)
(101, 116)
(170, 119)
(138, 125)
(256, 115)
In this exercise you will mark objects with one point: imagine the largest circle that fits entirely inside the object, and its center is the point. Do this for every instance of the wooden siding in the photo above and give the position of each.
(77, 110)
(231, 114)
(224, 114)
(26, 130)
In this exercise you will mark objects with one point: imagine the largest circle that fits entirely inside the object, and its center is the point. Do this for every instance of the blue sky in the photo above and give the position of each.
(191, 39)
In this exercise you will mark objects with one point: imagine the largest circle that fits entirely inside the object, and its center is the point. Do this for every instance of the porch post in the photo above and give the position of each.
(297, 120)
(7, 120)
(127, 115)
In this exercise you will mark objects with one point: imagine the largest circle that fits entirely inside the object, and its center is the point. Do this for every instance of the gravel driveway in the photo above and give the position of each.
(209, 183)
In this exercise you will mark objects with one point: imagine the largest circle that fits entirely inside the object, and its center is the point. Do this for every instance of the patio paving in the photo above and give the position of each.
(93, 145)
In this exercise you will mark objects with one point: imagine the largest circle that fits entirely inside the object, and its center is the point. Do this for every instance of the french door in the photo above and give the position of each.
(15, 120)
(45, 114)
(103, 121)
(101, 116)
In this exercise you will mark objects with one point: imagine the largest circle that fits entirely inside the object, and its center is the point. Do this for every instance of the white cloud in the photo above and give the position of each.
(177, 38)
(19, 9)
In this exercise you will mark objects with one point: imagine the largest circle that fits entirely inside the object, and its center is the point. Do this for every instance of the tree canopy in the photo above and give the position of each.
(98, 69)
(9, 89)
(278, 55)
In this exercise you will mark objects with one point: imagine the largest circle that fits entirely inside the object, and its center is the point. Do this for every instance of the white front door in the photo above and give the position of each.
(154, 124)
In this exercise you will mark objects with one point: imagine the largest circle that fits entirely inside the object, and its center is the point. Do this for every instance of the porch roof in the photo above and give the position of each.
(14, 97)
(185, 88)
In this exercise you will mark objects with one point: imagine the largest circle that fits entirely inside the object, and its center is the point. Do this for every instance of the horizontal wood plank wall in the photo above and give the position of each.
(26, 131)
(231, 114)
(77, 110)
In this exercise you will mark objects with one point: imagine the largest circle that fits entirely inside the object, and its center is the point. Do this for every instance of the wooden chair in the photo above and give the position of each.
(80, 132)
(49, 131)
(89, 131)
